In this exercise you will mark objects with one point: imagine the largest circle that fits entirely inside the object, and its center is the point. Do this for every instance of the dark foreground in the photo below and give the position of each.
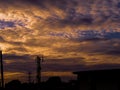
(86, 80)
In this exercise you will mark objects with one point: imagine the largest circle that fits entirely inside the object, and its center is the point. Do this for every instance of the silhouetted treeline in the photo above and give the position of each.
(53, 83)
(87, 80)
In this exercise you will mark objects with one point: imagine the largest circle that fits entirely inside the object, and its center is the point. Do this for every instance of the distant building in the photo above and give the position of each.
(98, 79)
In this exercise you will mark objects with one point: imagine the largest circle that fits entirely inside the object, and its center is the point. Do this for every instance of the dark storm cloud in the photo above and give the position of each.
(16, 57)
(18, 63)
(79, 67)
(103, 47)
(74, 18)
(115, 52)
(33, 2)
(47, 65)
(58, 67)
(105, 66)
(20, 67)
(59, 3)
(110, 51)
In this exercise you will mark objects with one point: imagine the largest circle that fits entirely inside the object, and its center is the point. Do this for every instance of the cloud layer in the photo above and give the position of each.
(70, 34)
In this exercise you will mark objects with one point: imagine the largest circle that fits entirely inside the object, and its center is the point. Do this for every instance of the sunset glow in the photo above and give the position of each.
(72, 35)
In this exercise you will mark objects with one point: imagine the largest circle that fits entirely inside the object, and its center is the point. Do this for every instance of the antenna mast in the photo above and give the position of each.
(1, 65)
(38, 76)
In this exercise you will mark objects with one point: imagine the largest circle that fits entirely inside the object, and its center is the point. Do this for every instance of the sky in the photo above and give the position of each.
(72, 35)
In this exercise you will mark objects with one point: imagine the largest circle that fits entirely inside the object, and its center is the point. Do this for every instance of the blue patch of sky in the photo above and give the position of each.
(4, 24)
(88, 34)
(10, 24)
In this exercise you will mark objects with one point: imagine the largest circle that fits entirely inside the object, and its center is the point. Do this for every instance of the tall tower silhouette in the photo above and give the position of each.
(2, 74)
(38, 76)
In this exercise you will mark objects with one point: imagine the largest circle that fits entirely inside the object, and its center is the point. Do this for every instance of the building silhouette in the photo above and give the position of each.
(98, 79)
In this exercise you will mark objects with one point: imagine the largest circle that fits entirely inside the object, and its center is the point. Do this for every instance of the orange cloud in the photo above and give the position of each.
(53, 28)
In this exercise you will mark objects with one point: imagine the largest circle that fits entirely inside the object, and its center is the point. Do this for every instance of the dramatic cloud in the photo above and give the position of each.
(71, 34)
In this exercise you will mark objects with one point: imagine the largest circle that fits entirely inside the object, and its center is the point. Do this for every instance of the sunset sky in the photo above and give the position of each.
(72, 35)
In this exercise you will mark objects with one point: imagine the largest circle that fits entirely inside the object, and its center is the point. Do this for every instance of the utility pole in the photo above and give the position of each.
(38, 76)
(2, 71)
